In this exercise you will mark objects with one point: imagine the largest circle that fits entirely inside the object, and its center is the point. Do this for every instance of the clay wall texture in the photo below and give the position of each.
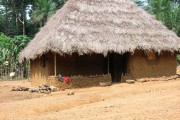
(40, 71)
(140, 67)
(80, 81)
(86, 65)
(87, 70)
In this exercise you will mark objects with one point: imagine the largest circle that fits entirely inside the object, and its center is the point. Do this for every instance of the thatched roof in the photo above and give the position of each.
(101, 26)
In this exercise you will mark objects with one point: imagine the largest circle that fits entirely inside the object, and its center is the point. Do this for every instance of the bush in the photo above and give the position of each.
(178, 58)
(10, 48)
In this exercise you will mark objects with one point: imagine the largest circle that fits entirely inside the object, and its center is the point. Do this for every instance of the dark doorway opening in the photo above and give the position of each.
(118, 65)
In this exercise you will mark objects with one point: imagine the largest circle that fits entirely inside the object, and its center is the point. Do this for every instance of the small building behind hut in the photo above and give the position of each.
(94, 41)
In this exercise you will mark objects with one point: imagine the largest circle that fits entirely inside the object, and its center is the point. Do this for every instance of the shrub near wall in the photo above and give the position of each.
(178, 59)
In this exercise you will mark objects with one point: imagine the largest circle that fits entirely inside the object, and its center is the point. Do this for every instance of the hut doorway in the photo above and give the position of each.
(118, 66)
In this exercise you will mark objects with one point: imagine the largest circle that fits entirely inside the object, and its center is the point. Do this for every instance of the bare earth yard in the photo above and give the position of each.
(158, 100)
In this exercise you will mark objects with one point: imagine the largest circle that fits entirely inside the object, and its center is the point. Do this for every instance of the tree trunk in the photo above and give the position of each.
(23, 18)
(16, 13)
(6, 22)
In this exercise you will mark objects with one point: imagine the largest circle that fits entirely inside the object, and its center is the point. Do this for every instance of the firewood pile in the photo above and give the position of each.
(44, 89)
(40, 89)
(19, 88)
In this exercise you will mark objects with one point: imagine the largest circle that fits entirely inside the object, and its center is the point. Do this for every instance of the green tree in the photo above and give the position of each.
(11, 47)
(15, 25)
(14, 13)
(43, 9)
(5, 45)
(166, 11)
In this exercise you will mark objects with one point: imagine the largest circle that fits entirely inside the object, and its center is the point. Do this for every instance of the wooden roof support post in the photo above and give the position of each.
(55, 72)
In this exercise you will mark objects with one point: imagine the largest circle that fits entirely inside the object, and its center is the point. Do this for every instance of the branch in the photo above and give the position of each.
(21, 20)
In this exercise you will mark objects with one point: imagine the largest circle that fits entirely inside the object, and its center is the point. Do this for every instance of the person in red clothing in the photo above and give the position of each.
(66, 80)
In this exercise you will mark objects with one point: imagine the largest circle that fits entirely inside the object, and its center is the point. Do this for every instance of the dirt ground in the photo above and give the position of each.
(157, 100)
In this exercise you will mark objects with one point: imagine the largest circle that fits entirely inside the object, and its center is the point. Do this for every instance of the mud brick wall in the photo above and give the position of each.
(79, 81)
(140, 67)
(39, 74)
(69, 65)
(41, 68)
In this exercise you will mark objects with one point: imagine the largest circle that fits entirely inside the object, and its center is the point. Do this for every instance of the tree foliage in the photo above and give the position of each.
(10, 48)
(167, 11)
(20, 20)
(43, 9)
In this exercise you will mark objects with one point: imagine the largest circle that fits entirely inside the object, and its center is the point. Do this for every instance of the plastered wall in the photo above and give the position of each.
(140, 67)
(74, 65)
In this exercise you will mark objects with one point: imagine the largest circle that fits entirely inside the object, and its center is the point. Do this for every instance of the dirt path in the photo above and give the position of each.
(139, 101)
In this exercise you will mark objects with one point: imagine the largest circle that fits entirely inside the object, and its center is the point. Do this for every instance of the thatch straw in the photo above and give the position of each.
(101, 26)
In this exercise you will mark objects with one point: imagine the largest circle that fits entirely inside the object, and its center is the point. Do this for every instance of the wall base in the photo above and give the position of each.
(79, 81)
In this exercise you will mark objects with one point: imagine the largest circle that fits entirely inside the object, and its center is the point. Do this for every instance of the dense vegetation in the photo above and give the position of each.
(167, 11)
(20, 20)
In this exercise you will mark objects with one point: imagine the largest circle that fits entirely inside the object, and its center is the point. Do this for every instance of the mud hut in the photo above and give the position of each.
(101, 40)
